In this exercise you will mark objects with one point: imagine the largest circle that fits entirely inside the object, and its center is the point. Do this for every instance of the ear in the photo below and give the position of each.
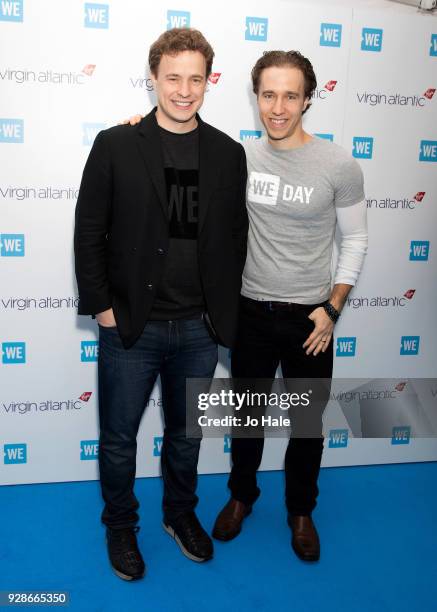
(153, 79)
(305, 104)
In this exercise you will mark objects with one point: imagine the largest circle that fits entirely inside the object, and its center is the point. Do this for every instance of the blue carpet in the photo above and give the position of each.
(377, 527)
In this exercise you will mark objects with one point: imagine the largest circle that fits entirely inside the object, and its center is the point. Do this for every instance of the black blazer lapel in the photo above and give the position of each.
(149, 143)
(208, 170)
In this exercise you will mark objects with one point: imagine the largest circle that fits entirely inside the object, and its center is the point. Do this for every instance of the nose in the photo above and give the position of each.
(278, 106)
(184, 89)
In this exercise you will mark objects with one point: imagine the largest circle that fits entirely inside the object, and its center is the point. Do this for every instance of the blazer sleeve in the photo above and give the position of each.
(241, 223)
(92, 222)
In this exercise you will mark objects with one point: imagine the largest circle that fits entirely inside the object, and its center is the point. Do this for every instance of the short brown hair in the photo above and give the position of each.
(175, 41)
(293, 59)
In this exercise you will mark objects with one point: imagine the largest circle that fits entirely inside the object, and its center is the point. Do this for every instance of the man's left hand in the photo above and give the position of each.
(320, 337)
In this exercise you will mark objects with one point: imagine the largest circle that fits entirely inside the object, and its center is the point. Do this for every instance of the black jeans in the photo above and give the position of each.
(176, 350)
(265, 339)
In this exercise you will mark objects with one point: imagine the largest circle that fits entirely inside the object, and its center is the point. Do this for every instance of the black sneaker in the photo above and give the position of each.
(124, 554)
(193, 540)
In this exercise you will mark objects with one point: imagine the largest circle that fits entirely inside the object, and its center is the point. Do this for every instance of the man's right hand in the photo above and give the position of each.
(106, 318)
(132, 120)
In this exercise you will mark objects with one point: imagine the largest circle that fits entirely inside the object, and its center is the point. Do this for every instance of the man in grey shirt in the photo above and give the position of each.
(299, 188)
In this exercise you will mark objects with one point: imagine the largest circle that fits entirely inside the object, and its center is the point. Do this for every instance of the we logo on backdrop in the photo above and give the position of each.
(401, 435)
(371, 39)
(330, 34)
(250, 134)
(157, 446)
(89, 450)
(362, 147)
(346, 346)
(12, 245)
(11, 10)
(96, 15)
(428, 151)
(433, 45)
(419, 250)
(89, 350)
(12, 130)
(338, 438)
(410, 345)
(15, 453)
(90, 131)
(178, 19)
(13, 352)
(256, 28)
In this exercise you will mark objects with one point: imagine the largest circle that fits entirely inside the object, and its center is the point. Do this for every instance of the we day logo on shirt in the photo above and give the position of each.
(264, 189)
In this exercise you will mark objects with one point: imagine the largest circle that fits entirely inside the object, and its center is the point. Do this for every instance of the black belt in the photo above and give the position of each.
(279, 306)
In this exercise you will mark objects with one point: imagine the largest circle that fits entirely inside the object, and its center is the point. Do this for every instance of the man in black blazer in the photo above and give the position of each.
(160, 245)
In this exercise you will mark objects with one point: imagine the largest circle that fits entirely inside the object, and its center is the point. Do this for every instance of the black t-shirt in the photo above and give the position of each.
(180, 293)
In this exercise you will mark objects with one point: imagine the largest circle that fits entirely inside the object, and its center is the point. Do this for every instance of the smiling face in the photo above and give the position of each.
(180, 85)
(281, 102)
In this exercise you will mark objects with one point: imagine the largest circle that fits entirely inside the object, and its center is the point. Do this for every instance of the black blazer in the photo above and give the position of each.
(122, 229)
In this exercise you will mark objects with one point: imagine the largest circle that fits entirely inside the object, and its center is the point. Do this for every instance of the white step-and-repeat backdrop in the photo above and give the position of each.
(70, 69)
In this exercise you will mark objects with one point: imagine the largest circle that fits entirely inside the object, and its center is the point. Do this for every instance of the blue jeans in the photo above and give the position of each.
(175, 350)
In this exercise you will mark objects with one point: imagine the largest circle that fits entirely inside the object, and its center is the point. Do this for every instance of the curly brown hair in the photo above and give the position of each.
(175, 41)
(294, 59)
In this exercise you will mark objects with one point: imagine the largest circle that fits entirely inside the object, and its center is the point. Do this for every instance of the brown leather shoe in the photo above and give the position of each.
(228, 523)
(305, 540)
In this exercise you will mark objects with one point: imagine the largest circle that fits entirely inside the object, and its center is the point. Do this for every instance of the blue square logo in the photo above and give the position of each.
(89, 450)
(12, 130)
(90, 131)
(410, 345)
(371, 39)
(178, 19)
(227, 442)
(256, 28)
(157, 446)
(15, 453)
(401, 435)
(346, 346)
(12, 245)
(89, 350)
(433, 45)
(13, 352)
(250, 134)
(11, 10)
(428, 151)
(330, 34)
(362, 147)
(325, 136)
(419, 250)
(338, 438)
(96, 15)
